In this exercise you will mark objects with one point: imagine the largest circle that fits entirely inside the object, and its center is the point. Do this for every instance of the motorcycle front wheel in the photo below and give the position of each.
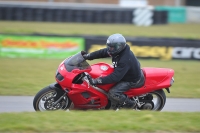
(49, 99)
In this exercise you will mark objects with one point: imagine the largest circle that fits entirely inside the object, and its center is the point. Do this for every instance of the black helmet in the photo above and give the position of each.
(115, 44)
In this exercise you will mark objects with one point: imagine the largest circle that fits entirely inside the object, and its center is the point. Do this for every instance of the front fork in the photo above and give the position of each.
(57, 101)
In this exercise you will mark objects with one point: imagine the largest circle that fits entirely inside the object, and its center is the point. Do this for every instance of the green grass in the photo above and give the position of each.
(21, 76)
(190, 31)
(100, 121)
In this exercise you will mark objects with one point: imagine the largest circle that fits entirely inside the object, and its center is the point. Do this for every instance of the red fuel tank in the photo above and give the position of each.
(102, 70)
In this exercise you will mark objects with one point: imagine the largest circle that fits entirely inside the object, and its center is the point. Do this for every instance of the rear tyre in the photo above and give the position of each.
(159, 99)
(154, 101)
(45, 100)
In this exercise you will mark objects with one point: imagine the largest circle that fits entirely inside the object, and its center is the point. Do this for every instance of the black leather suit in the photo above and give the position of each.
(127, 74)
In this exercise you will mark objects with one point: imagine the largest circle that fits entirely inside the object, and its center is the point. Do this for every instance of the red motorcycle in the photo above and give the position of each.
(74, 91)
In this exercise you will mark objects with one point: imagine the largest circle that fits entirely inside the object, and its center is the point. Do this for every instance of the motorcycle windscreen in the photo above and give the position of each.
(76, 62)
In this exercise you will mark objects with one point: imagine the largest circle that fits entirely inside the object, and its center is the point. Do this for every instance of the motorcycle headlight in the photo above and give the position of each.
(172, 81)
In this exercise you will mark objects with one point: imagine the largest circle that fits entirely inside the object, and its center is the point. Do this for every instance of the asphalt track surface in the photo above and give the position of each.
(25, 104)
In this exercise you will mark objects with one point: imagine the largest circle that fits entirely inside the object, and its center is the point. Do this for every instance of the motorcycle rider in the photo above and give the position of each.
(127, 72)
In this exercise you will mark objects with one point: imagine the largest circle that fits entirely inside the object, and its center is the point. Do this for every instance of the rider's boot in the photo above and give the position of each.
(122, 101)
(129, 103)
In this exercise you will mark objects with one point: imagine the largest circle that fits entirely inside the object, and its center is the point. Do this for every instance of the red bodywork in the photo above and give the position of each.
(155, 79)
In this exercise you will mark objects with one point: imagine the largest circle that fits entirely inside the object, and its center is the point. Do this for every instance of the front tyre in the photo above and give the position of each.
(49, 99)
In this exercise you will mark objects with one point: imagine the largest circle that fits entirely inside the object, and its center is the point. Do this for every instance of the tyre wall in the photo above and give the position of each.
(81, 13)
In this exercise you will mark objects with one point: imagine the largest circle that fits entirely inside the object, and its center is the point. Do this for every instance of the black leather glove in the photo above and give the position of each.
(95, 81)
(86, 56)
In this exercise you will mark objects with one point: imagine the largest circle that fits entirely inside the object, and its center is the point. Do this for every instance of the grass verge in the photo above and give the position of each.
(100, 121)
(21, 76)
(190, 31)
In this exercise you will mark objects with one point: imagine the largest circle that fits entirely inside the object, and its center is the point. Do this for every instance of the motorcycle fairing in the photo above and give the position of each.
(84, 96)
(70, 68)
(155, 79)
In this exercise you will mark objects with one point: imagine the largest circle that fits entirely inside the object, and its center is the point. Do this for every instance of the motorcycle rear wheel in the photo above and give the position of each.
(159, 99)
(154, 101)
(44, 100)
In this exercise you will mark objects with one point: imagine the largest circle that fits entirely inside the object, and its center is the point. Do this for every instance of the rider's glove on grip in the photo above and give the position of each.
(86, 56)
